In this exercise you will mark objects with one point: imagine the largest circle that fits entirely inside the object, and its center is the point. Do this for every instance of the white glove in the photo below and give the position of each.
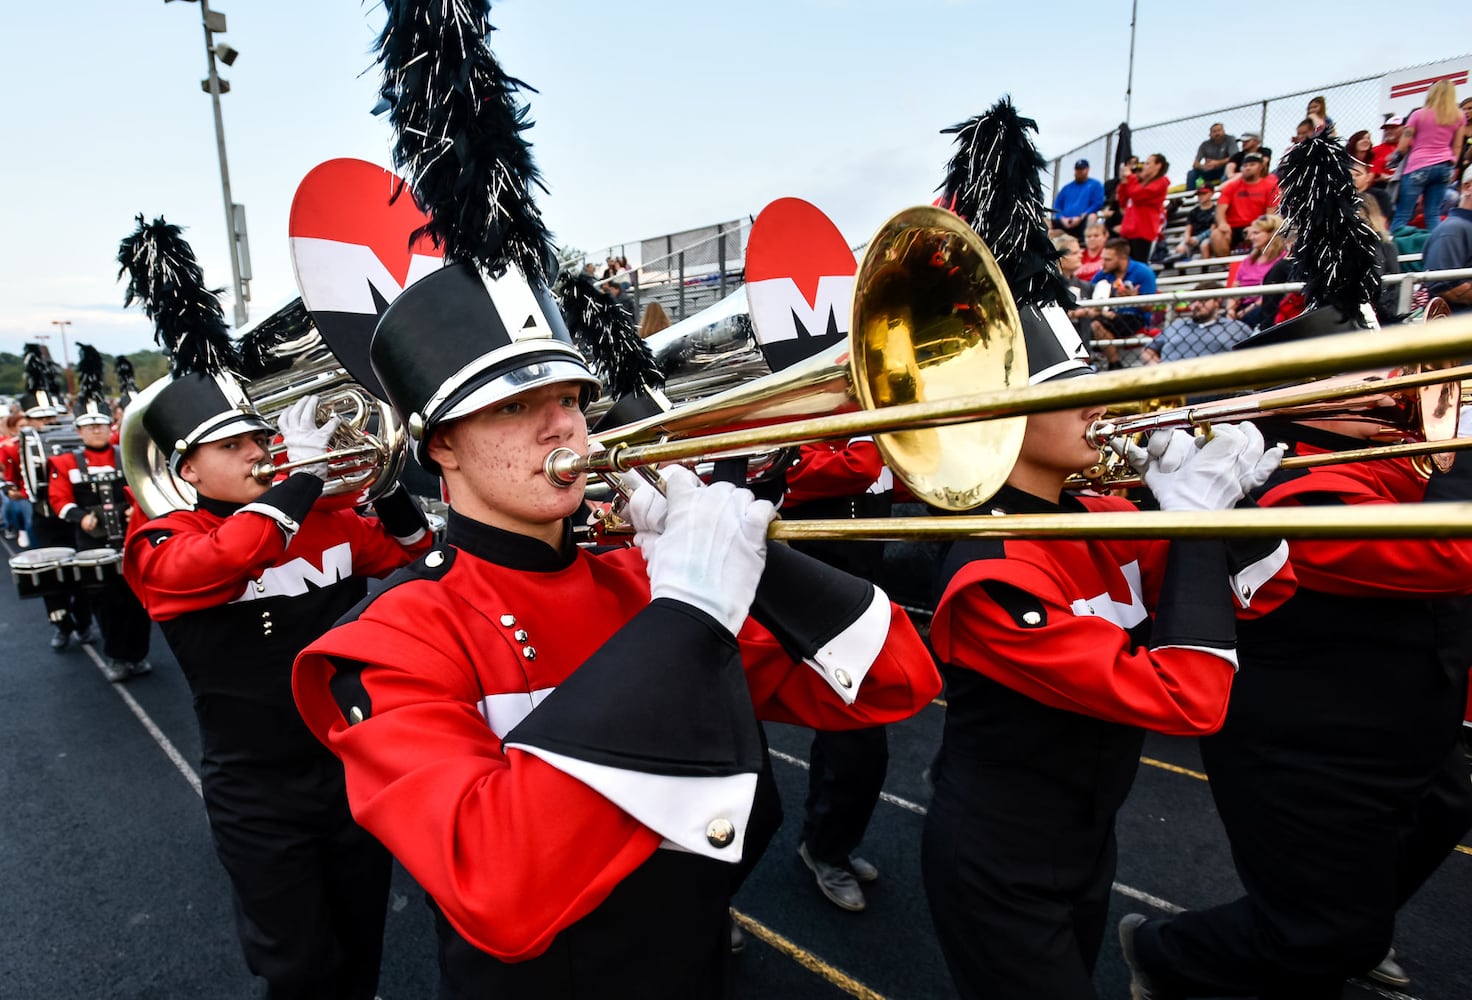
(1187, 473)
(303, 438)
(1256, 463)
(1464, 422)
(704, 545)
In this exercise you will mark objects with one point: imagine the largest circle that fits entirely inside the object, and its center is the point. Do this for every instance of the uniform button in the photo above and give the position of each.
(521, 635)
(508, 620)
(1246, 592)
(529, 652)
(1032, 618)
(720, 833)
(843, 679)
(435, 558)
(355, 715)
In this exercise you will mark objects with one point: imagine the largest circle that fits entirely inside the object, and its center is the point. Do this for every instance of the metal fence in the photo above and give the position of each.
(684, 272)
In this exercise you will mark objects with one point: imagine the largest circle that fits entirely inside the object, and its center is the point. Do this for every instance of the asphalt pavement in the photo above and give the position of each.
(109, 887)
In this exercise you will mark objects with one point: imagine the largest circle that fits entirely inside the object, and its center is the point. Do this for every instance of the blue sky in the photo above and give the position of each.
(651, 116)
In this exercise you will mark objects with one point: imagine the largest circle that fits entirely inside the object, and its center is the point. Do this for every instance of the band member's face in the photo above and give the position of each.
(492, 460)
(1054, 445)
(95, 435)
(221, 469)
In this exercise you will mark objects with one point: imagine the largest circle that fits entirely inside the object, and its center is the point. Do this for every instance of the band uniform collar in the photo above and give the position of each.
(507, 548)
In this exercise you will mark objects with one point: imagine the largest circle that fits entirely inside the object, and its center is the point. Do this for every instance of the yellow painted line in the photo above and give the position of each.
(1173, 768)
(1464, 850)
(939, 701)
(805, 958)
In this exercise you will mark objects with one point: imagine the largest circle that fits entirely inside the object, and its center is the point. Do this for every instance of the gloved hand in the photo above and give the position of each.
(1257, 463)
(1187, 473)
(303, 438)
(704, 545)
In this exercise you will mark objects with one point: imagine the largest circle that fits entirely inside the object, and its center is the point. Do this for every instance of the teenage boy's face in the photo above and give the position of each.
(95, 435)
(221, 469)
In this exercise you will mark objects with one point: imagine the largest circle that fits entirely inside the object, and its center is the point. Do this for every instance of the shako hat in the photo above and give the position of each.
(38, 402)
(1335, 251)
(484, 327)
(205, 400)
(122, 369)
(91, 407)
(992, 182)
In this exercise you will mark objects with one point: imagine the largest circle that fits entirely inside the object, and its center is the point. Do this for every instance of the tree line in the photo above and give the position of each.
(148, 365)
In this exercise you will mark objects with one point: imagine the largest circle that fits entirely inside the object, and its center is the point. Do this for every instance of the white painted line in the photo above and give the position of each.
(919, 810)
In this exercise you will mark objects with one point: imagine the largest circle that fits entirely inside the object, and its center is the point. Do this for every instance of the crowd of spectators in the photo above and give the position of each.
(1412, 173)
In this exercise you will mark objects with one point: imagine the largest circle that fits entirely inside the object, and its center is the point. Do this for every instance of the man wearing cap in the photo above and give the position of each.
(87, 491)
(1242, 200)
(1059, 656)
(1251, 143)
(1450, 248)
(1382, 172)
(239, 585)
(1077, 203)
(562, 746)
(1212, 156)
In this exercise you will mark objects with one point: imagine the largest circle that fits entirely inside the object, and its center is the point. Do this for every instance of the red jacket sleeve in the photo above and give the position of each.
(194, 566)
(59, 493)
(512, 849)
(823, 471)
(1078, 663)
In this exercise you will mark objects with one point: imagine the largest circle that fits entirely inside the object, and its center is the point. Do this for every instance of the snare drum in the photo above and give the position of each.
(96, 568)
(42, 572)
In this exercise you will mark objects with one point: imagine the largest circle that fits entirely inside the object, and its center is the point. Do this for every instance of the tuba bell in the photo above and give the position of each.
(286, 360)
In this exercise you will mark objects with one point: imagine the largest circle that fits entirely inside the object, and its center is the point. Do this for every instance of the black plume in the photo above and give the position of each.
(459, 141)
(38, 370)
(90, 376)
(1335, 253)
(55, 379)
(993, 182)
(187, 319)
(122, 368)
(257, 357)
(604, 331)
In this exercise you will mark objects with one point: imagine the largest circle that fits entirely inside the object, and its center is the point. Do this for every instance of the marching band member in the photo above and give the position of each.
(87, 491)
(1339, 774)
(846, 769)
(17, 502)
(577, 800)
(1060, 655)
(239, 585)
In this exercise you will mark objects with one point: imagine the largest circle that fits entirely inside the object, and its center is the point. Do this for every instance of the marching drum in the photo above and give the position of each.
(96, 568)
(41, 572)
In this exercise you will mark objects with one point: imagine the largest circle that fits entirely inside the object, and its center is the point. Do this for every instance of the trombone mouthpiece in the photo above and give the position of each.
(264, 471)
(1099, 433)
(562, 467)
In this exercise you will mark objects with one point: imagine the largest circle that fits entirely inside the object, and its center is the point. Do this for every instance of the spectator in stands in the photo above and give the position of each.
(1464, 158)
(1318, 116)
(1381, 169)
(1264, 236)
(1251, 143)
(1110, 214)
(1068, 264)
(1212, 157)
(1091, 261)
(1450, 247)
(1196, 240)
(1305, 130)
(1124, 276)
(1361, 176)
(1431, 140)
(1204, 330)
(1241, 200)
(1078, 202)
(1142, 200)
(1387, 308)
(1361, 147)
(1279, 307)
(655, 319)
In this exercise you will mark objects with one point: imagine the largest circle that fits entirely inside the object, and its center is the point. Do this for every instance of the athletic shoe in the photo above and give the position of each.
(88, 635)
(60, 638)
(1389, 972)
(116, 671)
(1142, 986)
(863, 870)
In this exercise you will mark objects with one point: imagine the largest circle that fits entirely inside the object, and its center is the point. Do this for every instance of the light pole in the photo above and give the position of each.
(214, 22)
(1129, 85)
(66, 354)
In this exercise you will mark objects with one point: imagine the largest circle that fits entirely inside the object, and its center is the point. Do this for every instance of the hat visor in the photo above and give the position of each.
(519, 380)
(93, 420)
(238, 424)
(1071, 368)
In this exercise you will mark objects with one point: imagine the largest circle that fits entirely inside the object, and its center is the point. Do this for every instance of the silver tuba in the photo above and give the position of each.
(286, 359)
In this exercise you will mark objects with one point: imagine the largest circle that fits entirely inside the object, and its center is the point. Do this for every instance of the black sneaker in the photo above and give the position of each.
(1142, 986)
(863, 870)
(1389, 972)
(60, 638)
(88, 635)
(116, 670)
(838, 884)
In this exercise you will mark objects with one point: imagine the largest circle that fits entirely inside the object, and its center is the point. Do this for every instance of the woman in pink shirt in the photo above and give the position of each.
(1430, 141)
(1267, 250)
(1142, 197)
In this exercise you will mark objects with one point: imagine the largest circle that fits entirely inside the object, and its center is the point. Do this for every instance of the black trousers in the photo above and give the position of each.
(1017, 869)
(310, 886)
(125, 625)
(845, 776)
(1336, 812)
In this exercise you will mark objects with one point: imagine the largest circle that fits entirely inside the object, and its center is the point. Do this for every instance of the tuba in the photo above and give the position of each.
(286, 359)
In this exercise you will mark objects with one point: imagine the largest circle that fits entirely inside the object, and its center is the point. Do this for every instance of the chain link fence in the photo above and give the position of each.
(683, 272)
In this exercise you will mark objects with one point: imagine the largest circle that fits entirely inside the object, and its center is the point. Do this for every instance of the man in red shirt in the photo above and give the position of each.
(1380, 169)
(1142, 197)
(1241, 200)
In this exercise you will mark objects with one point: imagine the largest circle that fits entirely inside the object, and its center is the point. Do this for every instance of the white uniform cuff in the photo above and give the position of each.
(844, 660)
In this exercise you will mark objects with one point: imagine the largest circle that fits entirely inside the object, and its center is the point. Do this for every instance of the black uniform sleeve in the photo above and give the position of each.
(1195, 607)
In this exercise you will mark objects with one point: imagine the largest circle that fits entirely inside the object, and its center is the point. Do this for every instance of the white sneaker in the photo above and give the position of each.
(23, 540)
